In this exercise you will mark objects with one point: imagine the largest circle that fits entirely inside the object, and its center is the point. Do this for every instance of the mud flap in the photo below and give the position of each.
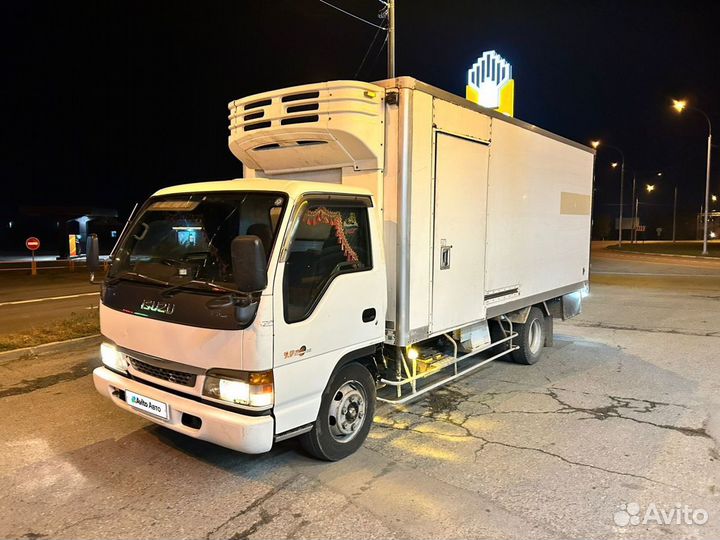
(549, 342)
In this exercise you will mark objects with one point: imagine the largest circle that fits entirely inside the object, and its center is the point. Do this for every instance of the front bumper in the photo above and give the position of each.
(248, 434)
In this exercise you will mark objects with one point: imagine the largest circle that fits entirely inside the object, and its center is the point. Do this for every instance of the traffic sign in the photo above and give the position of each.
(32, 243)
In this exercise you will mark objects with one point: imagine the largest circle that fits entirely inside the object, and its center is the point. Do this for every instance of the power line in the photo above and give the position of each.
(367, 52)
(378, 53)
(353, 15)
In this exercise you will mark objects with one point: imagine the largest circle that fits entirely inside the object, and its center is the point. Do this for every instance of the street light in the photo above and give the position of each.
(633, 232)
(680, 105)
(674, 210)
(649, 188)
(596, 144)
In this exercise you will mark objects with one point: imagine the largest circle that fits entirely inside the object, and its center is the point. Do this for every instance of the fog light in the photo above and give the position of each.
(112, 358)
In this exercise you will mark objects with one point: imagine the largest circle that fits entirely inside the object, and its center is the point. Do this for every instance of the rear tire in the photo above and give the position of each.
(531, 338)
(346, 413)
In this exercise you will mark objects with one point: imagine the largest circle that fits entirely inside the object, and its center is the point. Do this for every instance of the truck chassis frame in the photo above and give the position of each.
(412, 376)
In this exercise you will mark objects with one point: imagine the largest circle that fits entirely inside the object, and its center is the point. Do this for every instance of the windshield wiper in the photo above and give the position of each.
(176, 287)
(204, 284)
(135, 276)
(173, 287)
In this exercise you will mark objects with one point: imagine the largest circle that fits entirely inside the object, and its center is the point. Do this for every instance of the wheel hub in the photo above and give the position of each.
(535, 338)
(347, 411)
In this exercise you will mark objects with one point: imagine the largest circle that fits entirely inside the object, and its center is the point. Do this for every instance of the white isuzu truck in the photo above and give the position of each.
(386, 239)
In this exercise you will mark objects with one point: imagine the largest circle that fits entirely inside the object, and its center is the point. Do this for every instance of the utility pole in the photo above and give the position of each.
(674, 213)
(391, 39)
(633, 231)
(622, 187)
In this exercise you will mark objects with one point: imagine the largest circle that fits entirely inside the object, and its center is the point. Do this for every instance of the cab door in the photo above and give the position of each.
(329, 299)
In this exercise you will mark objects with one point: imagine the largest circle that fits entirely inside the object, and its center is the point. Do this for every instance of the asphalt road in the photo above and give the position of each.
(625, 408)
(27, 301)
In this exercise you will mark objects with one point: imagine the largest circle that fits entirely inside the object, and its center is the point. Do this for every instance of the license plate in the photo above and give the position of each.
(145, 404)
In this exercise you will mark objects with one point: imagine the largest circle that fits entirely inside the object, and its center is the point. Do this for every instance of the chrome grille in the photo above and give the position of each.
(170, 375)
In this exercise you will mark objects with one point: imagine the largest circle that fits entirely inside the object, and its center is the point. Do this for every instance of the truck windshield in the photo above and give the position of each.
(179, 239)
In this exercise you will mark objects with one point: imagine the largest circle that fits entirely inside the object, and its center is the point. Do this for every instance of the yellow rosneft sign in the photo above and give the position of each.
(490, 83)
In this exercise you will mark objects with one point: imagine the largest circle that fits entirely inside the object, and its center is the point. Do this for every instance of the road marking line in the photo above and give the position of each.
(16, 302)
(711, 262)
(19, 269)
(654, 274)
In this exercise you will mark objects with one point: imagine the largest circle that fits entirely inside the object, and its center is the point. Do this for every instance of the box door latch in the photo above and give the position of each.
(445, 250)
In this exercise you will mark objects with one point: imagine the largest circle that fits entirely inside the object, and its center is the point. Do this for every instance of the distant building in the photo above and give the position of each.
(62, 230)
(713, 225)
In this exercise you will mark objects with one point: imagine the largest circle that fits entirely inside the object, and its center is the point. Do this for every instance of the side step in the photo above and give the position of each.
(430, 367)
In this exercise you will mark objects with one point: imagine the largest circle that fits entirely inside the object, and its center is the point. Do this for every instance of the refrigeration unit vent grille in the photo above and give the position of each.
(339, 124)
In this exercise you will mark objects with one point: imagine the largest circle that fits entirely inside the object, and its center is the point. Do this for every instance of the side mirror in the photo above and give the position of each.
(248, 263)
(92, 256)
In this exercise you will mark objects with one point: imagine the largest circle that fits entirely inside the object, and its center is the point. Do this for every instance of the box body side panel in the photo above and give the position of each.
(538, 214)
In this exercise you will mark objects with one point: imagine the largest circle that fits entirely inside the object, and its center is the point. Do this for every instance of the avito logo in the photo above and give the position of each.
(632, 514)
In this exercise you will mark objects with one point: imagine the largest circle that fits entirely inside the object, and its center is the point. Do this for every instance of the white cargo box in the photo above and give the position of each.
(483, 214)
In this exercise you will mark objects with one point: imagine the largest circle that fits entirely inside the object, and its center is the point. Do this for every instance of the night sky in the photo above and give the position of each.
(105, 102)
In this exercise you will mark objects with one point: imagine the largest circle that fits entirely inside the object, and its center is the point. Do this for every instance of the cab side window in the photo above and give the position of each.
(328, 241)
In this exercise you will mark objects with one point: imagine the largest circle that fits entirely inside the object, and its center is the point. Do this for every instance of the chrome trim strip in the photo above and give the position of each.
(404, 188)
(293, 433)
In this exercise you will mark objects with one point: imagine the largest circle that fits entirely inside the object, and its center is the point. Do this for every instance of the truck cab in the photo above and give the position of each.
(239, 351)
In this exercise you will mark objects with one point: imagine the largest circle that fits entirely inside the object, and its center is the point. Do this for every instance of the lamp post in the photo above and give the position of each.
(674, 212)
(597, 144)
(649, 188)
(680, 105)
(633, 232)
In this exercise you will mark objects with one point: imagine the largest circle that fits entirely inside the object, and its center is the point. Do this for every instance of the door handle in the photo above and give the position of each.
(369, 315)
(445, 257)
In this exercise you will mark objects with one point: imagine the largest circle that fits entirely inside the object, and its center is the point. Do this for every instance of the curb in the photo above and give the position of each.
(700, 257)
(47, 348)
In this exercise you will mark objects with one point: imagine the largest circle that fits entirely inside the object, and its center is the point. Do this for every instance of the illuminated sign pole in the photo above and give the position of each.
(490, 83)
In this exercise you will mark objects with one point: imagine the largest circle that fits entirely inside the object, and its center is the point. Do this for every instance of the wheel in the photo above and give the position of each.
(531, 338)
(346, 413)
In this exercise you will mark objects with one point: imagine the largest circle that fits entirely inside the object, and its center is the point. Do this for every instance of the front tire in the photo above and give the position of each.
(346, 413)
(531, 338)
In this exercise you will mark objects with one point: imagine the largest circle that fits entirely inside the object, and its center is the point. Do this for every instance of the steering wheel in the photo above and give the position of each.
(195, 255)
(185, 258)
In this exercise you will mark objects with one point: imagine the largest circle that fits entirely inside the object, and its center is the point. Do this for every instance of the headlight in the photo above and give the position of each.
(251, 388)
(113, 358)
